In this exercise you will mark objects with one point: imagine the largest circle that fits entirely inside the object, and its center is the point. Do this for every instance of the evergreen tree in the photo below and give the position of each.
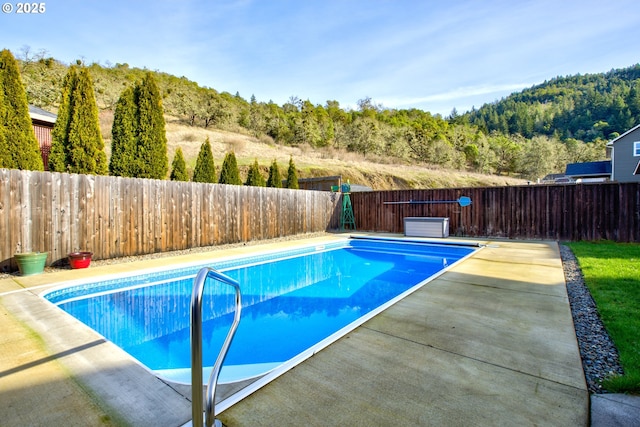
(3, 140)
(151, 136)
(292, 176)
(205, 169)
(275, 179)
(19, 148)
(77, 145)
(139, 143)
(230, 174)
(123, 136)
(254, 177)
(85, 129)
(179, 167)
(58, 155)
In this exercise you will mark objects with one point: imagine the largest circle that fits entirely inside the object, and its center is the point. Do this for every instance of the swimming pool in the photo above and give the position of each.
(295, 302)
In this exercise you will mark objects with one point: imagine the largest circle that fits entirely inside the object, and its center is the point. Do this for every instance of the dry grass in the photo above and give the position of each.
(378, 173)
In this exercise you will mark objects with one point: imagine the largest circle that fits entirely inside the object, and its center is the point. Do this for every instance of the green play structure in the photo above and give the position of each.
(347, 220)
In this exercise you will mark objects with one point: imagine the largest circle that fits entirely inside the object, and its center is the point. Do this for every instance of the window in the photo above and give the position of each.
(636, 148)
(637, 171)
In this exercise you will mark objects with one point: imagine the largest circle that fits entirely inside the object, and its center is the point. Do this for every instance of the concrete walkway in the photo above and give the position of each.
(491, 342)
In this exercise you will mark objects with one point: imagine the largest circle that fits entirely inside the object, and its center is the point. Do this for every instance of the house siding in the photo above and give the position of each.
(43, 135)
(624, 162)
(43, 122)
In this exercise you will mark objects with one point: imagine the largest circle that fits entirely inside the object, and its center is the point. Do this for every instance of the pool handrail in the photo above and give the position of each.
(196, 347)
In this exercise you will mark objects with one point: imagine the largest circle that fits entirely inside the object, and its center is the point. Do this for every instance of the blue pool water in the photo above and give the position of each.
(291, 302)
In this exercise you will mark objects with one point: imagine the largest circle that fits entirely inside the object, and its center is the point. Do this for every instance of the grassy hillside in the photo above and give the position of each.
(382, 149)
(378, 173)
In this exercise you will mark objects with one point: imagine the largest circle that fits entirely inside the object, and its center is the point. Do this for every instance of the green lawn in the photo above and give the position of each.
(612, 274)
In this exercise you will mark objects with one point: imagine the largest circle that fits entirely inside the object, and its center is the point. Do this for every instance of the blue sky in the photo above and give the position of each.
(431, 55)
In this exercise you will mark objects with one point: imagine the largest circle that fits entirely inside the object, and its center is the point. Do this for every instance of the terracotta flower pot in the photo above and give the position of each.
(80, 259)
(30, 263)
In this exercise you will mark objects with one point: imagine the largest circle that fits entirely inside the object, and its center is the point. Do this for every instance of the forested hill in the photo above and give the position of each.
(585, 107)
(526, 135)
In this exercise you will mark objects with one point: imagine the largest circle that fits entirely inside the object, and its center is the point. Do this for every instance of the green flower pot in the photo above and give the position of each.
(31, 263)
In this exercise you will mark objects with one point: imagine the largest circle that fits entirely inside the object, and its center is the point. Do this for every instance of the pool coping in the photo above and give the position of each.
(116, 380)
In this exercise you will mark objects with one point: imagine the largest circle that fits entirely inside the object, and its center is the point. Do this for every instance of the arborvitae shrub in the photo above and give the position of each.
(275, 179)
(179, 167)
(230, 174)
(123, 136)
(58, 155)
(84, 144)
(77, 145)
(254, 177)
(292, 175)
(205, 169)
(139, 144)
(3, 140)
(151, 138)
(19, 148)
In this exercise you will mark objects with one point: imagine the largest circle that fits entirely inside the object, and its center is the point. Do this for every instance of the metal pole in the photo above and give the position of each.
(196, 348)
(215, 373)
(462, 201)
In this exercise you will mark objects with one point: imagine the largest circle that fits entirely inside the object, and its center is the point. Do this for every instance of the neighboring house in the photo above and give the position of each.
(325, 183)
(43, 122)
(555, 178)
(625, 156)
(589, 171)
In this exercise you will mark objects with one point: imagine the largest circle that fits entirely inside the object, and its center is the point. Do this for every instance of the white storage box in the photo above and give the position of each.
(424, 226)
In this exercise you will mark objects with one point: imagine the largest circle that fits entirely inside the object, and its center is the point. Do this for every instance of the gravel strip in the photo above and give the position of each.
(600, 357)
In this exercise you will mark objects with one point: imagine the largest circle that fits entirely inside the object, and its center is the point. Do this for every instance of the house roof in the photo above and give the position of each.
(356, 188)
(613, 141)
(553, 176)
(42, 115)
(602, 168)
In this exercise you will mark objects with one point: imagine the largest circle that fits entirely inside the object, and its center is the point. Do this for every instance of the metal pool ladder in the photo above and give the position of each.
(196, 348)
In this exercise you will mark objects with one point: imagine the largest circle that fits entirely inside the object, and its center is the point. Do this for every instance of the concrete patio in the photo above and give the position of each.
(490, 342)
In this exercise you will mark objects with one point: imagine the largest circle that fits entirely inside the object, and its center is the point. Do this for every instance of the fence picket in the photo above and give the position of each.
(559, 212)
(116, 217)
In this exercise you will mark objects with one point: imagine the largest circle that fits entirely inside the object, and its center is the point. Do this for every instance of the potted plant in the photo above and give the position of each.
(30, 263)
(80, 259)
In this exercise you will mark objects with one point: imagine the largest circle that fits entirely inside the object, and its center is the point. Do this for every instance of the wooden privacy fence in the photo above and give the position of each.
(115, 217)
(608, 211)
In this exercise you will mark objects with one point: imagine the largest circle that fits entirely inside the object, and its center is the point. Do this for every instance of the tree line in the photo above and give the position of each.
(528, 134)
(205, 171)
(589, 108)
(138, 144)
